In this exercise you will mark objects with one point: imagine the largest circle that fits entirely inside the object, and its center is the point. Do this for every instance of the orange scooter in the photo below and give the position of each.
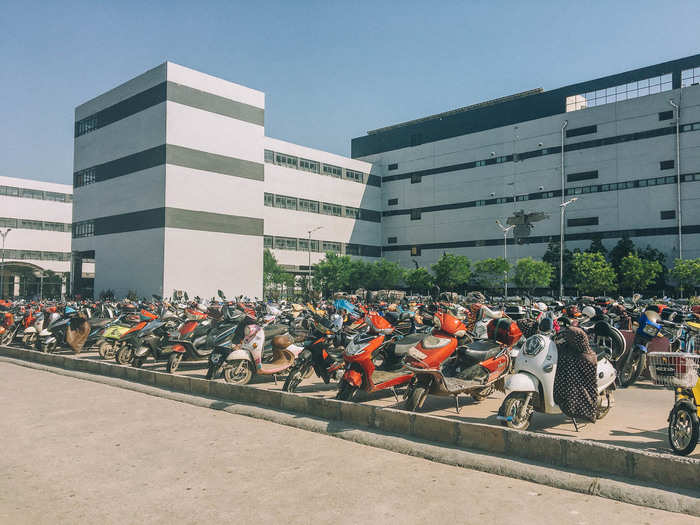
(362, 372)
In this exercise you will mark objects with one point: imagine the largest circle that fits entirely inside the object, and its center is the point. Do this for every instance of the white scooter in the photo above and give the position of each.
(531, 387)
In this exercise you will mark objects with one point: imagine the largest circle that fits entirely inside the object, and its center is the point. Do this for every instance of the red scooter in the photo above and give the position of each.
(363, 373)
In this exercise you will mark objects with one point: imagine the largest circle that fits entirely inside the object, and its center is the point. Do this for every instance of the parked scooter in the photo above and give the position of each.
(34, 323)
(531, 388)
(54, 335)
(633, 362)
(474, 369)
(125, 352)
(153, 338)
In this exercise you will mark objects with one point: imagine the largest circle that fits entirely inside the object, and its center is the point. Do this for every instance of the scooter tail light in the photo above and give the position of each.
(179, 349)
(353, 377)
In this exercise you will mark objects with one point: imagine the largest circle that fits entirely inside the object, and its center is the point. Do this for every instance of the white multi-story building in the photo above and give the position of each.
(38, 215)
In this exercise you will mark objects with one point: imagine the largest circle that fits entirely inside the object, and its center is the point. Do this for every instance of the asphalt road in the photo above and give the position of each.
(81, 452)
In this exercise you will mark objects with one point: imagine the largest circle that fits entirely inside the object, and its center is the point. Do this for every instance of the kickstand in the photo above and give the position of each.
(575, 424)
(393, 390)
(274, 378)
(457, 403)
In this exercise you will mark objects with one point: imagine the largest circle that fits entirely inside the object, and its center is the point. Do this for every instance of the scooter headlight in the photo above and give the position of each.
(354, 349)
(534, 345)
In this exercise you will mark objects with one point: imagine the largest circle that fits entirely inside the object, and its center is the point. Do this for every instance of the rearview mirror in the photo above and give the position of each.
(221, 294)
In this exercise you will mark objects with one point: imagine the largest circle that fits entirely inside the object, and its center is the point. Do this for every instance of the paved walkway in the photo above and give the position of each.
(81, 452)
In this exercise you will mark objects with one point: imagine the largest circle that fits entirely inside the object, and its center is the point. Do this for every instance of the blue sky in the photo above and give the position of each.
(331, 70)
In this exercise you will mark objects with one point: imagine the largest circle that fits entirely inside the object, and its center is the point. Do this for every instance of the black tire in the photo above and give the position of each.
(346, 391)
(105, 348)
(243, 372)
(296, 376)
(632, 369)
(49, 348)
(173, 362)
(605, 401)
(511, 407)
(124, 354)
(137, 362)
(683, 428)
(482, 394)
(415, 398)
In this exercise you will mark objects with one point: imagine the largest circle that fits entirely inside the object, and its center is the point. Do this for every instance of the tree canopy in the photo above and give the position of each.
(593, 274)
(488, 273)
(452, 272)
(531, 274)
(637, 274)
(687, 273)
(419, 280)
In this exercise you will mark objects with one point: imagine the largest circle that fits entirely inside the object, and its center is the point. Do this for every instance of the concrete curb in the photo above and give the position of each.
(627, 472)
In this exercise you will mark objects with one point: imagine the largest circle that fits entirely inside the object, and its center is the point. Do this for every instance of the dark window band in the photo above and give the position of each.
(175, 93)
(170, 218)
(169, 154)
(543, 239)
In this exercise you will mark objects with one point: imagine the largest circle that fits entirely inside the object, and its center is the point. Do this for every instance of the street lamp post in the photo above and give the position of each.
(505, 254)
(308, 246)
(562, 207)
(2, 267)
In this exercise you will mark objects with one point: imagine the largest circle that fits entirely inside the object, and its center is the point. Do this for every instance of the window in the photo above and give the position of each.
(30, 225)
(304, 245)
(269, 156)
(391, 240)
(282, 201)
(352, 212)
(620, 93)
(31, 194)
(585, 221)
(667, 164)
(308, 165)
(392, 167)
(577, 132)
(500, 160)
(333, 171)
(352, 249)
(583, 175)
(285, 243)
(668, 214)
(329, 246)
(416, 179)
(308, 206)
(357, 176)
(287, 161)
(85, 125)
(9, 191)
(269, 199)
(480, 163)
(267, 241)
(8, 223)
(690, 77)
(83, 229)
(331, 209)
(415, 215)
(393, 202)
(666, 115)
(415, 251)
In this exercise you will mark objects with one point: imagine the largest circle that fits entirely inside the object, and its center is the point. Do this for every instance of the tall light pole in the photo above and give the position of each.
(678, 176)
(308, 246)
(2, 267)
(562, 208)
(505, 254)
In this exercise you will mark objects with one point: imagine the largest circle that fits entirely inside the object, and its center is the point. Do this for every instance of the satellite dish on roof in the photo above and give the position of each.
(523, 223)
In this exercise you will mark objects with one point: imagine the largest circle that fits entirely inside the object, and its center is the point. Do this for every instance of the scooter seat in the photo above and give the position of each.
(431, 342)
(481, 350)
(99, 323)
(408, 342)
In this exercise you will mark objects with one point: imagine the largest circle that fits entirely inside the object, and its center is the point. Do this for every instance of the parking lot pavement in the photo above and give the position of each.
(76, 451)
(638, 419)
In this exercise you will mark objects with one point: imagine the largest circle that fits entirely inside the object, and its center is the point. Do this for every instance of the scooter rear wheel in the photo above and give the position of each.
(173, 362)
(482, 394)
(105, 349)
(415, 399)
(48, 348)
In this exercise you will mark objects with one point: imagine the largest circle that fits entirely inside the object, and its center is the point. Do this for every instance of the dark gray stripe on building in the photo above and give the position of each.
(202, 160)
(584, 236)
(196, 98)
(176, 93)
(178, 218)
(175, 155)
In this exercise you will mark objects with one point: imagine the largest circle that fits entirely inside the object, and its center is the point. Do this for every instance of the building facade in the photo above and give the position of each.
(38, 217)
(447, 179)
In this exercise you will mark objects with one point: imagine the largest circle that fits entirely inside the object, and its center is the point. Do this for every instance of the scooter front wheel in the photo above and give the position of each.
(173, 362)
(346, 391)
(415, 398)
(123, 355)
(106, 349)
(239, 372)
(48, 348)
(605, 401)
(683, 428)
(296, 376)
(513, 412)
(632, 369)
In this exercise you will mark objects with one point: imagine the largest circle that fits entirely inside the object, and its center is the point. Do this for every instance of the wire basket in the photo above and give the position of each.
(674, 369)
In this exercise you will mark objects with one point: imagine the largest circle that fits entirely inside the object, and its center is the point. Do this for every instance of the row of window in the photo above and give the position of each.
(576, 146)
(84, 177)
(595, 188)
(690, 77)
(299, 163)
(83, 229)
(628, 91)
(27, 224)
(86, 125)
(304, 245)
(12, 191)
(36, 255)
(325, 208)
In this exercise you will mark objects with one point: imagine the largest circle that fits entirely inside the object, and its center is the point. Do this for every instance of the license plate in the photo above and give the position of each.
(416, 354)
(650, 330)
(665, 370)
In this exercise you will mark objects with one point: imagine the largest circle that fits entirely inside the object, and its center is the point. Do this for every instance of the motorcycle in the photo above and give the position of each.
(531, 388)
(474, 369)
(632, 363)
(125, 352)
(54, 335)
(33, 324)
(152, 339)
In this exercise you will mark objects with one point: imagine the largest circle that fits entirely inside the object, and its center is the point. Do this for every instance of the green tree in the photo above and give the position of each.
(488, 273)
(531, 274)
(419, 280)
(384, 275)
(332, 274)
(636, 274)
(593, 274)
(652, 254)
(597, 246)
(687, 273)
(358, 274)
(272, 271)
(622, 249)
(452, 272)
(551, 256)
